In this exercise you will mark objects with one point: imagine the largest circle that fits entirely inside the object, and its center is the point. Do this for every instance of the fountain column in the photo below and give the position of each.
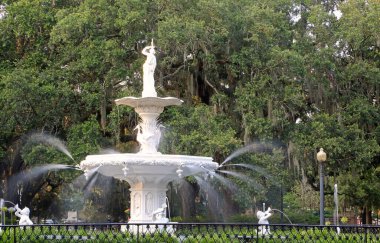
(148, 129)
(145, 199)
(149, 132)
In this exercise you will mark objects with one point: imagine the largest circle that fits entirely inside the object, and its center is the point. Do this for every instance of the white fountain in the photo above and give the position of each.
(148, 172)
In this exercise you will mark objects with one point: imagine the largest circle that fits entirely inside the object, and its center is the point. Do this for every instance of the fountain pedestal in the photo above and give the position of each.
(145, 199)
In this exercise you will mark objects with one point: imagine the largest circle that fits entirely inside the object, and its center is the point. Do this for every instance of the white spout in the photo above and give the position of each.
(125, 170)
(86, 174)
(179, 172)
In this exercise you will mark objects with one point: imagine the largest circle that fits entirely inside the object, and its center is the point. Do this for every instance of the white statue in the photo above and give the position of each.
(157, 135)
(263, 221)
(159, 216)
(146, 140)
(23, 215)
(148, 71)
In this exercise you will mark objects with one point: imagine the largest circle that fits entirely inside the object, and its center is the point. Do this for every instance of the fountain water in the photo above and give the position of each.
(254, 147)
(50, 140)
(2, 203)
(148, 172)
(336, 209)
(286, 216)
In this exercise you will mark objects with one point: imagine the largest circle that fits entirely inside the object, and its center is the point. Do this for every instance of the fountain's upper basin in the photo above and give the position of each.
(154, 167)
(148, 102)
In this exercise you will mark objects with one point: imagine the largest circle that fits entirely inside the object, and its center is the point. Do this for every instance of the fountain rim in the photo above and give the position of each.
(153, 159)
(148, 101)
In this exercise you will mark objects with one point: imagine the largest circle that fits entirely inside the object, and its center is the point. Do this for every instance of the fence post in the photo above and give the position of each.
(257, 234)
(138, 232)
(365, 234)
(14, 234)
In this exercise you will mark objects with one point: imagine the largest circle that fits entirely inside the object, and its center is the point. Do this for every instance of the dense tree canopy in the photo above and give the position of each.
(302, 74)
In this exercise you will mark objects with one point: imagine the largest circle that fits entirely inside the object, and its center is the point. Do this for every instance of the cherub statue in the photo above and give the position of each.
(263, 221)
(23, 215)
(159, 216)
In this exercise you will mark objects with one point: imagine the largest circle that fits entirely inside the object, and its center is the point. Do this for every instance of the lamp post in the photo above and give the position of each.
(321, 157)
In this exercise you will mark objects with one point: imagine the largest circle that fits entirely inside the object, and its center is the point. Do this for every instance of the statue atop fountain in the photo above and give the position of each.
(23, 215)
(263, 221)
(149, 106)
(148, 71)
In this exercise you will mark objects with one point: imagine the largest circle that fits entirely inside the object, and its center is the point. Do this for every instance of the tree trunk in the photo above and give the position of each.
(247, 133)
(270, 111)
(368, 216)
(103, 111)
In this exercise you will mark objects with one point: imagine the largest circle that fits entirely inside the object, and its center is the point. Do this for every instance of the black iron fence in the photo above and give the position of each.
(187, 232)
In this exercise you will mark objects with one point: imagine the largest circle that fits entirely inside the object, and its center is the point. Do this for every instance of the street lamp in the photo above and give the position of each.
(321, 157)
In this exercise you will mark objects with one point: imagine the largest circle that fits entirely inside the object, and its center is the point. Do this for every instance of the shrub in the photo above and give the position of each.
(344, 220)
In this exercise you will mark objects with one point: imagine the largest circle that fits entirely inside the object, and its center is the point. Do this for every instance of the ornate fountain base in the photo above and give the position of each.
(148, 175)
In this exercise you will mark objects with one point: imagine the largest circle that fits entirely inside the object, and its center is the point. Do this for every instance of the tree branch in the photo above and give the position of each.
(174, 73)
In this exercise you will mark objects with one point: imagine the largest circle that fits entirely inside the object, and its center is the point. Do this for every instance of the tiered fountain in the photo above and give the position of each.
(148, 172)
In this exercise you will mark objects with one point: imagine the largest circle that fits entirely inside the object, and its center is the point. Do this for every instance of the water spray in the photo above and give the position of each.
(286, 216)
(254, 147)
(167, 203)
(336, 211)
(88, 173)
(52, 141)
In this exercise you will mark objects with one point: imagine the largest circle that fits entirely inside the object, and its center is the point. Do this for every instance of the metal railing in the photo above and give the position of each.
(188, 232)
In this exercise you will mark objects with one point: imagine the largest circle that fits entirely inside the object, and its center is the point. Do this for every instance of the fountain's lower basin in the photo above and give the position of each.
(153, 165)
(148, 176)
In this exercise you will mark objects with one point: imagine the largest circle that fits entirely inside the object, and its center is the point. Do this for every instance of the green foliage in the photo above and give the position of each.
(84, 139)
(301, 197)
(198, 131)
(246, 70)
(344, 220)
(92, 213)
(241, 218)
